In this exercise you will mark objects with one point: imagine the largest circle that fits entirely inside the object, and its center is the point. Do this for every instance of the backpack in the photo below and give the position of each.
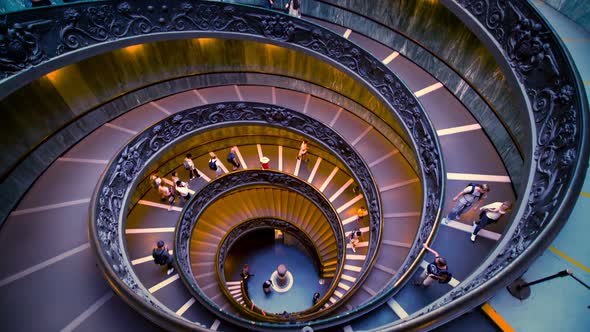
(473, 185)
(159, 257)
(231, 156)
(212, 165)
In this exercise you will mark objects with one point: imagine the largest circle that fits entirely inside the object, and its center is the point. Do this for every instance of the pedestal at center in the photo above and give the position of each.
(282, 279)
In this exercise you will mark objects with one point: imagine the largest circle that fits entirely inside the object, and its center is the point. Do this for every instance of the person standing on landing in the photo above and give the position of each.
(473, 193)
(490, 214)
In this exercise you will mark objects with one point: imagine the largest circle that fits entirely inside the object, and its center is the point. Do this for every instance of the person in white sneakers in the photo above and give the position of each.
(162, 257)
(490, 214)
(435, 271)
(355, 238)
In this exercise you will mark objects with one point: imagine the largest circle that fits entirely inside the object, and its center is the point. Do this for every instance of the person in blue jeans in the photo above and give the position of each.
(473, 193)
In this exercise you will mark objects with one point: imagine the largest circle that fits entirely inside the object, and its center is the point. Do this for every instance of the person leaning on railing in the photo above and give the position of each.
(434, 271)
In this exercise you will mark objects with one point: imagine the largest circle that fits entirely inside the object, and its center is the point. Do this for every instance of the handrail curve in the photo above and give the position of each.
(235, 181)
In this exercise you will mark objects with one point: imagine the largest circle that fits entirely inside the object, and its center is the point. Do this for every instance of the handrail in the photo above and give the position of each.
(126, 170)
(247, 226)
(239, 180)
(59, 44)
(536, 62)
(91, 28)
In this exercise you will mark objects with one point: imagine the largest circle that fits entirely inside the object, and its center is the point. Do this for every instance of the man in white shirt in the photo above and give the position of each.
(473, 193)
(490, 214)
(183, 190)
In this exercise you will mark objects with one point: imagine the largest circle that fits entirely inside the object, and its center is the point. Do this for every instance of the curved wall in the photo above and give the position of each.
(427, 33)
(42, 107)
(61, 99)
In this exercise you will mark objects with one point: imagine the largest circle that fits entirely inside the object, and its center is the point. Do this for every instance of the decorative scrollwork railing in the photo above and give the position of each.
(44, 40)
(533, 55)
(236, 181)
(126, 170)
(238, 232)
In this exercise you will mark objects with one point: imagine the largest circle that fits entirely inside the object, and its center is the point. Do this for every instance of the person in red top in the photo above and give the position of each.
(265, 162)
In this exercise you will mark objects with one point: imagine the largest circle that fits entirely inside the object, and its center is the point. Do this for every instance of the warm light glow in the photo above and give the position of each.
(204, 41)
(54, 75)
(272, 47)
(133, 49)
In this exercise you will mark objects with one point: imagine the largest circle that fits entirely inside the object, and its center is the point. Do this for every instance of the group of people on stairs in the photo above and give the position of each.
(472, 197)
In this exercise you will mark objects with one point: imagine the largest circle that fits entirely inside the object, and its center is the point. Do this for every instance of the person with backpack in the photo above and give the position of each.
(490, 214)
(232, 159)
(162, 257)
(435, 271)
(189, 165)
(214, 164)
(473, 193)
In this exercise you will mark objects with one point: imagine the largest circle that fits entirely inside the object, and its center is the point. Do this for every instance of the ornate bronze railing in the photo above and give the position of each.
(126, 170)
(537, 63)
(43, 40)
(237, 181)
(240, 230)
(53, 37)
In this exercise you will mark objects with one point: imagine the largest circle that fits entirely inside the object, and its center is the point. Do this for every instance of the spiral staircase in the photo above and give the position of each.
(367, 148)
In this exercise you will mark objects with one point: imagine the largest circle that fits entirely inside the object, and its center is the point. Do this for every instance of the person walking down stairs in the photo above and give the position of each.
(490, 214)
(162, 257)
(214, 164)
